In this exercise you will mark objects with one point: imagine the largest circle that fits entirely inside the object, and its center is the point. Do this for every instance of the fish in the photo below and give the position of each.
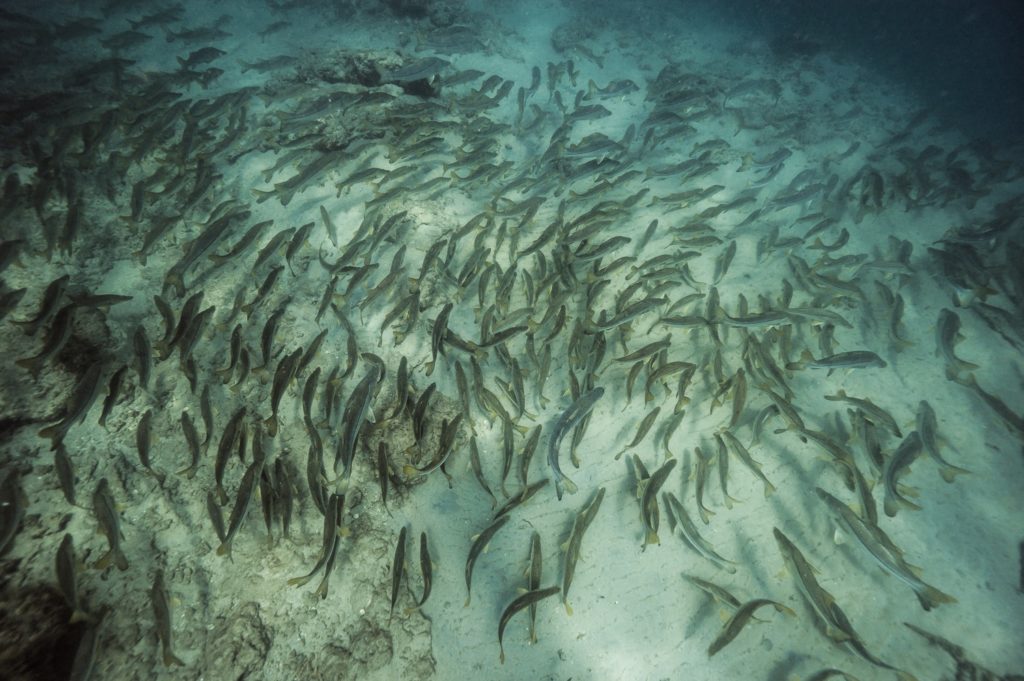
(283, 377)
(332, 511)
(875, 414)
(234, 429)
(739, 619)
(13, 503)
(297, 241)
(281, 61)
(206, 411)
(584, 518)
(267, 337)
(397, 569)
(692, 538)
(162, 613)
(533, 576)
(65, 470)
(110, 523)
(527, 454)
(1013, 421)
(718, 593)
(420, 410)
(449, 430)
(701, 475)
(568, 420)
(248, 239)
(85, 653)
(649, 502)
(437, 335)
(51, 298)
(854, 359)
(263, 291)
(947, 333)
(641, 432)
(744, 455)
(426, 569)
(125, 40)
(167, 15)
(56, 338)
(421, 69)
(646, 351)
(203, 55)
(927, 428)
(821, 601)
(530, 598)
(881, 549)
(246, 492)
(904, 455)
(383, 469)
(197, 35)
(474, 458)
(480, 542)
(78, 403)
(521, 497)
(143, 440)
(216, 517)
(723, 262)
(211, 234)
(9, 300)
(331, 229)
(274, 27)
(67, 578)
(188, 428)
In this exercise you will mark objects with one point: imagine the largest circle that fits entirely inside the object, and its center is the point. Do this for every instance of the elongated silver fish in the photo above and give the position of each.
(566, 422)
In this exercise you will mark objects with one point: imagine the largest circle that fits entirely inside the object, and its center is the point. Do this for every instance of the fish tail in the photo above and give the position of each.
(79, 615)
(173, 278)
(52, 432)
(263, 194)
(105, 560)
(931, 597)
(169, 657)
(964, 365)
(29, 363)
(949, 472)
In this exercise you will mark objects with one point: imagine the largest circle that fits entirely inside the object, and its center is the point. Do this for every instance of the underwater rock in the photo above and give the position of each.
(238, 647)
(359, 67)
(36, 642)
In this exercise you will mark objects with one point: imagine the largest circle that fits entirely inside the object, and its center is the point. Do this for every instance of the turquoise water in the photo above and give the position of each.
(739, 204)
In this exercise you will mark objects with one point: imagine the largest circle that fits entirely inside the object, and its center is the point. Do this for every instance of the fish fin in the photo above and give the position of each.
(171, 659)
